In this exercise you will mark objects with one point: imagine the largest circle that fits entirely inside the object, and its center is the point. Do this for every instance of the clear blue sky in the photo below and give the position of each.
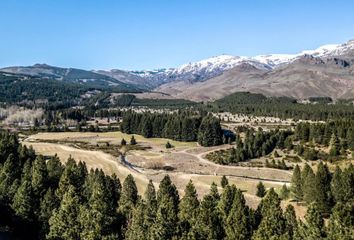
(132, 34)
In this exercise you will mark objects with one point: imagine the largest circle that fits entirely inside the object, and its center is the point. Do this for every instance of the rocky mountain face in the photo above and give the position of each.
(326, 71)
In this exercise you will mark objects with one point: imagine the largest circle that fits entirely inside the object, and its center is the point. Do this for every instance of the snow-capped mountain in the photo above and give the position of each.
(214, 66)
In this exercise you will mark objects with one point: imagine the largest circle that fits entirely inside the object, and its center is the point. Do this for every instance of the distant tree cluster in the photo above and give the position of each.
(177, 126)
(256, 144)
(43, 199)
(339, 135)
(282, 107)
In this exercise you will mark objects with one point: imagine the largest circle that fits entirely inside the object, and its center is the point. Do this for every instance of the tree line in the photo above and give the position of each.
(181, 126)
(282, 107)
(43, 199)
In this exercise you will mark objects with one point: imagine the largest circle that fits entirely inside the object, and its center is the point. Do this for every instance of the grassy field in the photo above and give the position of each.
(187, 160)
(110, 137)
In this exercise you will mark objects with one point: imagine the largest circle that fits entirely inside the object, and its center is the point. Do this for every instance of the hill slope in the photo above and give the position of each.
(87, 78)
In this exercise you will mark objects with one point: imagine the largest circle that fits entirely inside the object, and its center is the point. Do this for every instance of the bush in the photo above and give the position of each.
(169, 145)
(261, 191)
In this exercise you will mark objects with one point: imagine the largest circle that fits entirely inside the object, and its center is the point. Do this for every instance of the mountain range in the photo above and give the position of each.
(325, 71)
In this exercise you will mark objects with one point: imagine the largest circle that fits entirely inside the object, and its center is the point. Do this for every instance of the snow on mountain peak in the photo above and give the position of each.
(222, 62)
(216, 65)
(321, 51)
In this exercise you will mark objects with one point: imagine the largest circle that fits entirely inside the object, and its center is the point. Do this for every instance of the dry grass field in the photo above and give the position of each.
(186, 161)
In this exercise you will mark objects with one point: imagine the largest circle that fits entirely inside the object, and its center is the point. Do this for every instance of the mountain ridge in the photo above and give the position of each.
(226, 73)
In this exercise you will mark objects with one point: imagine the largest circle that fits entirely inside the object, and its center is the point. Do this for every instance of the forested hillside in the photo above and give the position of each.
(38, 91)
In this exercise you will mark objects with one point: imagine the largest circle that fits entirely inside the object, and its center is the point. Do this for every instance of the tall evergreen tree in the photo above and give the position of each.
(129, 197)
(39, 176)
(261, 191)
(272, 225)
(239, 222)
(291, 222)
(341, 222)
(165, 227)
(64, 224)
(337, 189)
(97, 217)
(334, 145)
(322, 187)
(314, 228)
(284, 192)
(24, 202)
(209, 224)
(296, 184)
(55, 170)
(151, 208)
(48, 203)
(188, 209)
(309, 187)
(9, 173)
(224, 182)
(348, 183)
(226, 200)
(137, 229)
(167, 188)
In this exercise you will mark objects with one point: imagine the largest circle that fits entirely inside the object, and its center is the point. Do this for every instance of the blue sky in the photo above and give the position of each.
(132, 34)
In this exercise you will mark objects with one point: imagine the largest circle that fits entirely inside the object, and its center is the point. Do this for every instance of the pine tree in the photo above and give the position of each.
(309, 187)
(296, 184)
(314, 227)
(168, 189)
(27, 171)
(133, 141)
(39, 176)
(341, 222)
(64, 224)
(261, 191)
(23, 202)
(224, 182)
(48, 203)
(68, 177)
(209, 224)
(137, 229)
(322, 192)
(151, 207)
(239, 222)
(272, 225)
(188, 209)
(129, 197)
(9, 173)
(168, 145)
(97, 217)
(291, 222)
(114, 190)
(337, 185)
(284, 192)
(334, 146)
(55, 170)
(165, 227)
(226, 200)
(348, 183)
